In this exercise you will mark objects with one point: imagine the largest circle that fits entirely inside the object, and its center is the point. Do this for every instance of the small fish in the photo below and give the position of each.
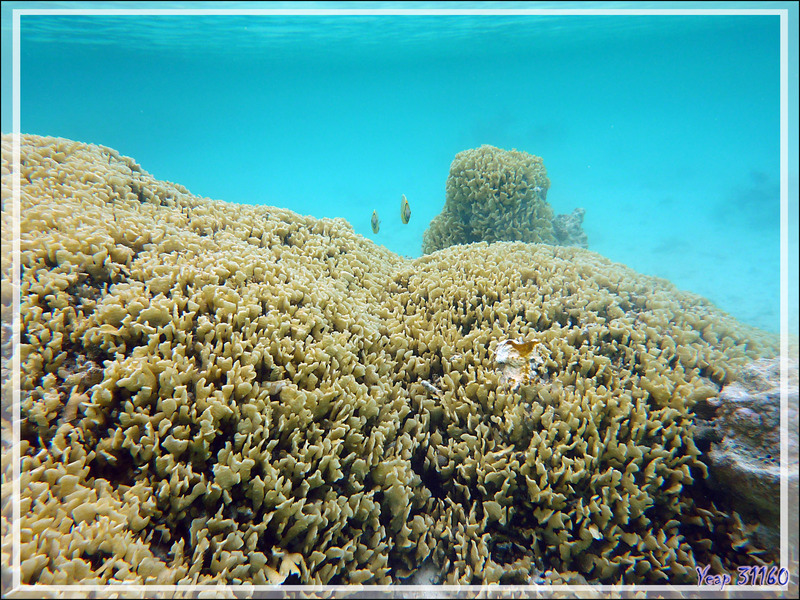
(376, 222)
(431, 388)
(405, 211)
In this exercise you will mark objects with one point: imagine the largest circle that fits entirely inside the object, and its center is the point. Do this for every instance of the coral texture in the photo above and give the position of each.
(493, 195)
(226, 393)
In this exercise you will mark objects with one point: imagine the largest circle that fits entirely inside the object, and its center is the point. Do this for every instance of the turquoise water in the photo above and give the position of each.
(665, 129)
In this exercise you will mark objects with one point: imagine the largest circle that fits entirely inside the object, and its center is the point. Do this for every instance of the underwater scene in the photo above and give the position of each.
(396, 299)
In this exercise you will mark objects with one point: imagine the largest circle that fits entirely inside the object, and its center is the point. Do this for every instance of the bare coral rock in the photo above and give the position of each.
(745, 458)
(569, 231)
(517, 361)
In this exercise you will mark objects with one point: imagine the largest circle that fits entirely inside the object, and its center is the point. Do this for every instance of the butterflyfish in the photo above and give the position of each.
(405, 211)
(376, 222)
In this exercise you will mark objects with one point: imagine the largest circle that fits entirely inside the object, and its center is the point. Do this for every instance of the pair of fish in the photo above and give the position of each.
(405, 215)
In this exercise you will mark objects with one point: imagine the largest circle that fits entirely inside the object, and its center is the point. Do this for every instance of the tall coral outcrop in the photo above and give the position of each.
(493, 195)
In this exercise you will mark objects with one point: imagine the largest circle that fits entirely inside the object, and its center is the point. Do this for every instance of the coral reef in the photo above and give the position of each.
(742, 429)
(493, 195)
(281, 400)
(499, 195)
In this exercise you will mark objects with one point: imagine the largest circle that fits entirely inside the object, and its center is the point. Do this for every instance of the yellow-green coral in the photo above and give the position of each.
(493, 195)
(283, 400)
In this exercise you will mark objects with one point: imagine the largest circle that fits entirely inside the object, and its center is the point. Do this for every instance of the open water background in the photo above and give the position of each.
(664, 128)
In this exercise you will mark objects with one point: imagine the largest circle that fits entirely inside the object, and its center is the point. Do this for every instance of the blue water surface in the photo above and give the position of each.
(664, 128)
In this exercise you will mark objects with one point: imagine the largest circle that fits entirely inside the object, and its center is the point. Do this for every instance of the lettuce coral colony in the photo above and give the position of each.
(226, 393)
(493, 195)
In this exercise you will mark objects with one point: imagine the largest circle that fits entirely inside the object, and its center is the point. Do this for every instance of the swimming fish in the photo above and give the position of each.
(376, 222)
(405, 211)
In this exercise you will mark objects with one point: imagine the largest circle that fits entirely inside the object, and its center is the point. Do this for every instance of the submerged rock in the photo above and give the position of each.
(568, 229)
(743, 428)
(517, 361)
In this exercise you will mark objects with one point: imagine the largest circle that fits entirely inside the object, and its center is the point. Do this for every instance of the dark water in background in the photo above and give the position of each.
(665, 129)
